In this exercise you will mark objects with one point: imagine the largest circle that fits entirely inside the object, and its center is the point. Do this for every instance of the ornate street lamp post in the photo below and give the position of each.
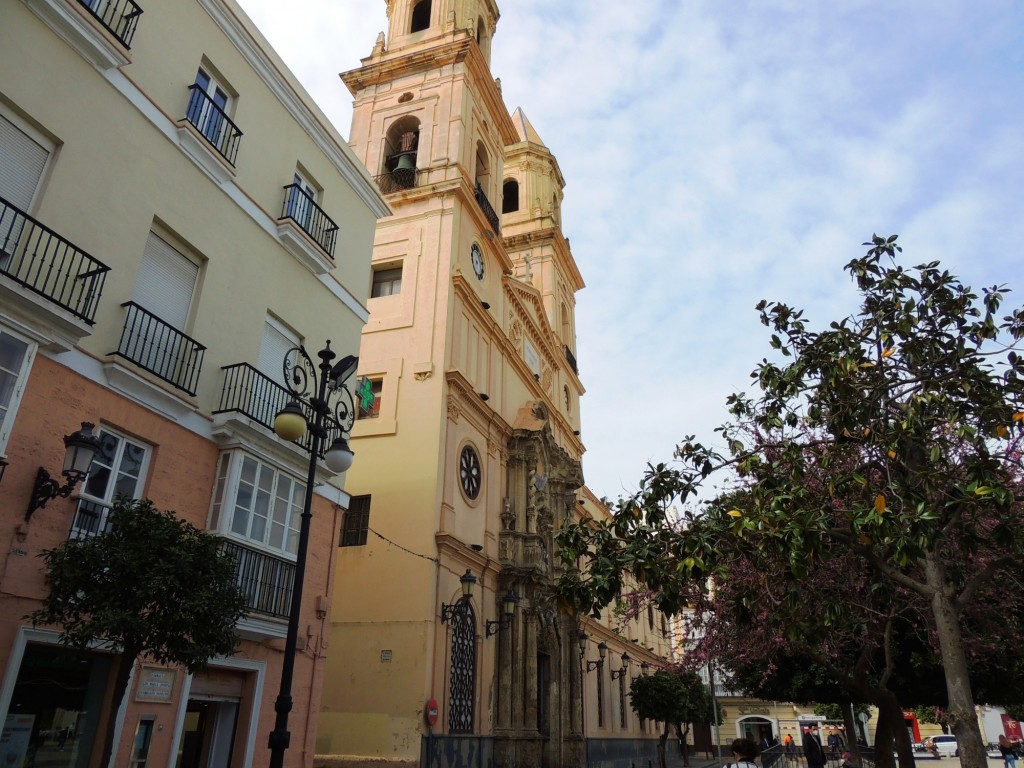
(322, 405)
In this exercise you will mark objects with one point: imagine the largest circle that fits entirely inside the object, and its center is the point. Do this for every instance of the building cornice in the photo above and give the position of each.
(232, 22)
(560, 244)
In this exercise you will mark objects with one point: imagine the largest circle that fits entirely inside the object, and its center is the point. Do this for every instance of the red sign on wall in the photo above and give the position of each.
(431, 712)
(1011, 727)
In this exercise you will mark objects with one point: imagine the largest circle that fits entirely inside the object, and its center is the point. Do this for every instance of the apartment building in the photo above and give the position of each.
(175, 215)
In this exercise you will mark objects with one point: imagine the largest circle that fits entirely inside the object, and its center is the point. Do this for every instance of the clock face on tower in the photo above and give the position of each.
(469, 472)
(477, 257)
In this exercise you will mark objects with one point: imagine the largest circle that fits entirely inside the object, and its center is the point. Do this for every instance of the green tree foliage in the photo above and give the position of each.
(893, 437)
(153, 586)
(676, 698)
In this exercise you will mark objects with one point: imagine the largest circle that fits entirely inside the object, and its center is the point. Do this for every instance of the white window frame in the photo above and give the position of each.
(225, 505)
(20, 382)
(106, 501)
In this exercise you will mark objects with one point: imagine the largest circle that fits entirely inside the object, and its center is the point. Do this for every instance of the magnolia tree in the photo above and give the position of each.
(152, 586)
(890, 440)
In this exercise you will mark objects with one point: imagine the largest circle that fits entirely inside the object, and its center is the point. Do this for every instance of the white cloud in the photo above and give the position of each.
(720, 153)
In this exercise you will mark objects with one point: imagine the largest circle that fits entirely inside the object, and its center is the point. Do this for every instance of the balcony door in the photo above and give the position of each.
(164, 288)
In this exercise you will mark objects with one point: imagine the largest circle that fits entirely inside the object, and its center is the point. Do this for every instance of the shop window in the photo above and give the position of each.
(56, 706)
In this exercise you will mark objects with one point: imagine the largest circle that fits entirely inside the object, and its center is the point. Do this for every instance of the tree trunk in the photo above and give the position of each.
(662, 740)
(893, 713)
(962, 716)
(883, 740)
(681, 734)
(850, 723)
(123, 671)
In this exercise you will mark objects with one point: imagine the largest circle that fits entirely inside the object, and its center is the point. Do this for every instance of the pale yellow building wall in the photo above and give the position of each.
(117, 172)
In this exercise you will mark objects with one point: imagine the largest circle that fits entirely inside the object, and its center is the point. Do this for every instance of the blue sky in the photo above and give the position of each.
(719, 152)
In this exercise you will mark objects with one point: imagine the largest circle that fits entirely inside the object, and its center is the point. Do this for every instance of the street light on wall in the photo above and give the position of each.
(508, 604)
(644, 668)
(602, 651)
(617, 673)
(467, 581)
(321, 405)
(79, 450)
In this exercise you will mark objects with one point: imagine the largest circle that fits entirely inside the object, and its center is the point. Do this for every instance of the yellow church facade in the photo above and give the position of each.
(444, 642)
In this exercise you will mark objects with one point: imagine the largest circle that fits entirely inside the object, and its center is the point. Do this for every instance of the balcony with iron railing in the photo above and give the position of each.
(90, 519)
(571, 358)
(39, 259)
(118, 17)
(266, 581)
(400, 177)
(485, 206)
(213, 124)
(160, 348)
(303, 210)
(248, 392)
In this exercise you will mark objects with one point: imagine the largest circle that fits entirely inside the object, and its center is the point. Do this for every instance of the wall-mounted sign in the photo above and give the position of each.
(156, 684)
(431, 712)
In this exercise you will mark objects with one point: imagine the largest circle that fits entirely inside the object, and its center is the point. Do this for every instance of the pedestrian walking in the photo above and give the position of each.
(1008, 750)
(814, 753)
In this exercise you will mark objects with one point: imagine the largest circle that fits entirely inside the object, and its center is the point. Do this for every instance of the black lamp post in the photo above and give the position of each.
(322, 405)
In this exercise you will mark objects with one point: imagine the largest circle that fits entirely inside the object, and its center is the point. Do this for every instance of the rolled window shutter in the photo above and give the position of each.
(165, 283)
(21, 165)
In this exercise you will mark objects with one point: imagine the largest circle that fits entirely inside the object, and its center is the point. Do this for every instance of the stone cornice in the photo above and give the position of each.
(461, 49)
(549, 236)
(282, 85)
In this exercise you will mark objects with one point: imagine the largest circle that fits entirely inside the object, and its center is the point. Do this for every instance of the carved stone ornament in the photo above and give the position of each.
(515, 332)
(453, 411)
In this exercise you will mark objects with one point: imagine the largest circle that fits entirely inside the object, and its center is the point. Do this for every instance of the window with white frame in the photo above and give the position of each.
(301, 199)
(16, 356)
(207, 111)
(118, 469)
(255, 502)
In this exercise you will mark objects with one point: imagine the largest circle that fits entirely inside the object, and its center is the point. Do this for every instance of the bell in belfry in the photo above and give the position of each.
(405, 163)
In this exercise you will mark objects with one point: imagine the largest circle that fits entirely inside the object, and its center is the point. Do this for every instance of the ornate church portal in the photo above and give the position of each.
(538, 687)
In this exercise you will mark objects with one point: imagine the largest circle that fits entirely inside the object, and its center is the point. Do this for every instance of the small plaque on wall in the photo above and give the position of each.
(156, 684)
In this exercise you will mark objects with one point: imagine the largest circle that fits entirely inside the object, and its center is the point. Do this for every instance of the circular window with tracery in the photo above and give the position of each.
(470, 472)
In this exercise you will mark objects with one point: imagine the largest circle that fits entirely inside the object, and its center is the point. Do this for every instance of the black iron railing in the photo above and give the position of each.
(485, 206)
(91, 519)
(118, 17)
(160, 348)
(265, 580)
(251, 393)
(44, 262)
(303, 210)
(572, 360)
(211, 121)
(447, 751)
(397, 180)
